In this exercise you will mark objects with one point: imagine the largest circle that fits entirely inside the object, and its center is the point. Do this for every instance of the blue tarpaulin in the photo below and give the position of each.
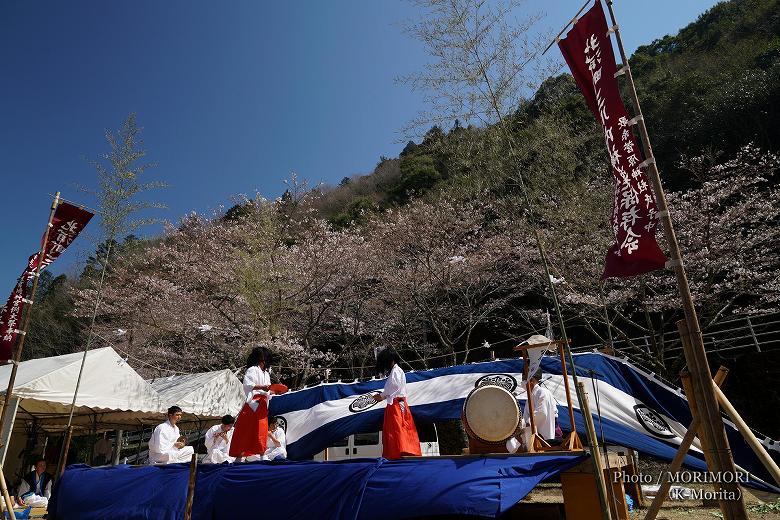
(358, 489)
(630, 406)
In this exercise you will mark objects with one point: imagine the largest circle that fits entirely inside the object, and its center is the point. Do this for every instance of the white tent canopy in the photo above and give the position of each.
(111, 393)
(208, 395)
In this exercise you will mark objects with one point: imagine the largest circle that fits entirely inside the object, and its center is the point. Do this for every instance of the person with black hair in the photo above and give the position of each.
(251, 430)
(276, 447)
(164, 445)
(217, 441)
(399, 434)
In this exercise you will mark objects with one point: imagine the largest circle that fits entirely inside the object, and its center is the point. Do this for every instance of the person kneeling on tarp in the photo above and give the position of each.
(165, 446)
(399, 435)
(218, 441)
(276, 446)
(35, 488)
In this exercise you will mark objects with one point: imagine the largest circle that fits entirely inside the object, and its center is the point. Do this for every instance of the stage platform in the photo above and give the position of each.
(358, 489)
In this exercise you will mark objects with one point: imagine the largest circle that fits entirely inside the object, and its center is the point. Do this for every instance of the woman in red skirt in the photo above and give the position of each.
(399, 435)
(251, 429)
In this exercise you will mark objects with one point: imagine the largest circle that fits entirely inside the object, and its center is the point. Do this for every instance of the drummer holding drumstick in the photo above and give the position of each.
(399, 434)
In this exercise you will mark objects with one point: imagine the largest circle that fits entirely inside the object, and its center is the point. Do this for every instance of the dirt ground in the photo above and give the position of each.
(677, 510)
(671, 510)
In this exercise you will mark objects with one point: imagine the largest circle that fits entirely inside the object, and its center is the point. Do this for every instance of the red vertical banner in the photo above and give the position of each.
(66, 224)
(11, 316)
(587, 49)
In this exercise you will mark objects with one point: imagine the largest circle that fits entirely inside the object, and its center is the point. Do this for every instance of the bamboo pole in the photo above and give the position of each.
(9, 503)
(191, 487)
(562, 326)
(25, 326)
(88, 343)
(744, 429)
(64, 451)
(713, 433)
(598, 469)
(682, 451)
(713, 455)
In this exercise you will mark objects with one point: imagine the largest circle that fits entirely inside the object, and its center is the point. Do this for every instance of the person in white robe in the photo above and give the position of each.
(276, 446)
(545, 414)
(35, 487)
(217, 441)
(164, 445)
(545, 410)
(251, 428)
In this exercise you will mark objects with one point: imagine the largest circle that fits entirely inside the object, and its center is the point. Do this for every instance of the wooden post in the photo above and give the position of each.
(18, 351)
(26, 323)
(568, 392)
(9, 503)
(528, 400)
(713, 455)
(594, 452)
(682, 451)
(713, 433)
(744, 429)
(191, 487)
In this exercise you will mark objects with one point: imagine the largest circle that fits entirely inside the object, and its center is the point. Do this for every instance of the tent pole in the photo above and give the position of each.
(118, 451)
(140, 440)
(8, 428)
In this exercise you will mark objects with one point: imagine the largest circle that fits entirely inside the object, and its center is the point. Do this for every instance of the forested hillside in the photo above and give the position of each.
(433, 252)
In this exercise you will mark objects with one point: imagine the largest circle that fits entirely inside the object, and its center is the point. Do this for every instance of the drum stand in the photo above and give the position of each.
(571, 442)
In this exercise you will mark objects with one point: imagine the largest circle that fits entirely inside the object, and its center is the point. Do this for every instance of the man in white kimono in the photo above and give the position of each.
(545, 413)
(218, 441)
(277, 442)
(164, 446)
(545, 410)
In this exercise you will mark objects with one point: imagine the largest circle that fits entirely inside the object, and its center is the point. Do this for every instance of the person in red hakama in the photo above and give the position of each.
(399, 435)
(251, 428)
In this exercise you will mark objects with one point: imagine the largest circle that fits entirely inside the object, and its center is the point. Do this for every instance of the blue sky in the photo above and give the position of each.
(232, 96)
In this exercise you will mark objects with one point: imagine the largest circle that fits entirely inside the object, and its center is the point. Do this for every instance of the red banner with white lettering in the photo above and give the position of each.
(66, 224)
(587, 49)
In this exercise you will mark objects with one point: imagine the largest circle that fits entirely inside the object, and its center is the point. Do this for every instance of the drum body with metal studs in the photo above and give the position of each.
(490, 414)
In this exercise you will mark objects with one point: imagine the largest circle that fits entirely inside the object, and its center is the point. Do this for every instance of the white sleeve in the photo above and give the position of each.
(24, 487)
(154, 440)
(47, 491)
(250, 379)
(209, 440)
(394, 383)
(253, 377)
